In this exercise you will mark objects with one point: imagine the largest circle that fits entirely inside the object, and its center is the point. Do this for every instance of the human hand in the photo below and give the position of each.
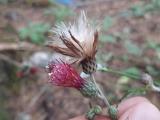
(136, 108)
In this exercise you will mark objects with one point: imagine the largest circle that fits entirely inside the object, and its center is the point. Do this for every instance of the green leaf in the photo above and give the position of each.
(108, 38)
(60, 12)
(132, 70)
(138, 9)
(151, 44)
(35, 38)
(132, 48)
(156, 4)
(107, 23)
(151, 70)
(125, 57)
(35, 32)
(136, 91)
(157, 82)
(23, 33)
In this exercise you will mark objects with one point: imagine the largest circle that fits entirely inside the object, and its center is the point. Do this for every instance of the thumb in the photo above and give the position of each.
(138, 108)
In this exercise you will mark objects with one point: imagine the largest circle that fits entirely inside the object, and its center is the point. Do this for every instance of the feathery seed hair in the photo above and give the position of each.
(78, 40)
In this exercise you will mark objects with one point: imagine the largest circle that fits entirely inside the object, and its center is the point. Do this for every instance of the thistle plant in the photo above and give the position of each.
(79, 41)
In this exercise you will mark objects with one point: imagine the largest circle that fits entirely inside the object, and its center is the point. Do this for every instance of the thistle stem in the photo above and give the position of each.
(119, 73)
(133, 76)
(101, 93)
(112, 111)
(155, 88)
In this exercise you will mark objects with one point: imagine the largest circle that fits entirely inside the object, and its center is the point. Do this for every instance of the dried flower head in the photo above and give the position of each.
(77, 40)
(63, 74)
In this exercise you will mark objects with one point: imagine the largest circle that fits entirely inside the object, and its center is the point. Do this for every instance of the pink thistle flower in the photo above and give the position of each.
(63, 74)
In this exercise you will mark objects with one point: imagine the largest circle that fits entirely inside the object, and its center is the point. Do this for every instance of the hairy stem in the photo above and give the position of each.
(101, 93)
(119, 73)
(112, 110)
(155, 88)
(133, 76)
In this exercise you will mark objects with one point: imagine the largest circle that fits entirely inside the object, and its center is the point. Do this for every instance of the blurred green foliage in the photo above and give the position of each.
(154, 45)
(152, 71)
(134, 91)
(132, 48)
(35, 32)
(12, 83)
(4, 1)
(132, 71)
(107, 23)
(4, 115)
(155, 4)
(138, 10)
(141, 8)
(60, 12)
(104, 57)
(108, 38)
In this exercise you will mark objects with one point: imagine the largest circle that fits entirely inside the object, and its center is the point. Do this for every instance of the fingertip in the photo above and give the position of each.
(129, 103)
(146, 111)
(138, 108)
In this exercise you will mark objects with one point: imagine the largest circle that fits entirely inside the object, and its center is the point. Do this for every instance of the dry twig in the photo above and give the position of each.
(6, 58)
(18, 46)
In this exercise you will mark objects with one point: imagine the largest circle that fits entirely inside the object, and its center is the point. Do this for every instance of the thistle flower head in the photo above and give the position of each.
(77, 40)
(63, 74)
